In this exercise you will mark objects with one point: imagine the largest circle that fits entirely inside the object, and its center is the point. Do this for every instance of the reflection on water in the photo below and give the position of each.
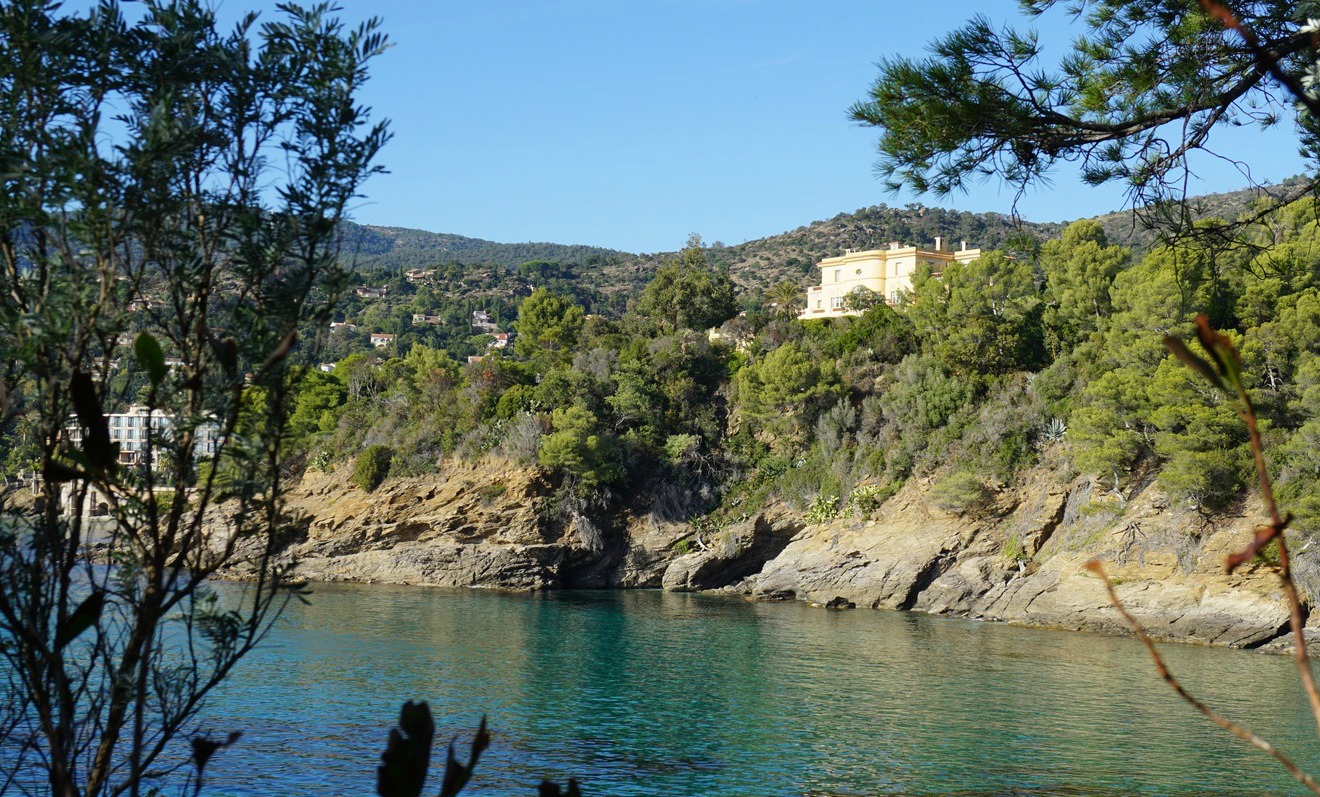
(653, 693)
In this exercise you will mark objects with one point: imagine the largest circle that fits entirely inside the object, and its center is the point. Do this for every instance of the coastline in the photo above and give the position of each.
(1020, 560)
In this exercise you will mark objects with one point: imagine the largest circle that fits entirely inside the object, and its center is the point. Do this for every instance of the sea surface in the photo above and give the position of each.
(651, 693)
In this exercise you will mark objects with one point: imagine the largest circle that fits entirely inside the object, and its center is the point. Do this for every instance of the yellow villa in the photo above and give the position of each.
(885, 272)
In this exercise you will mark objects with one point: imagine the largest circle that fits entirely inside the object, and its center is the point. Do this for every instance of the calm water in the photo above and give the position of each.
(646, 693)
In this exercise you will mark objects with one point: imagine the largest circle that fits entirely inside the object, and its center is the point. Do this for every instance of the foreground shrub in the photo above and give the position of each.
(959, 492)
(372, 466)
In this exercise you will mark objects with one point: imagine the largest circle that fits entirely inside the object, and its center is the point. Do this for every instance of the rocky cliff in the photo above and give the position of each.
(485, 524)
(1022, 559)
(1019, 559)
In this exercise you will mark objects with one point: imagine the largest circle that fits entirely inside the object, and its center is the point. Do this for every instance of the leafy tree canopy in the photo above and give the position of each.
(547, 323)
(687, 294)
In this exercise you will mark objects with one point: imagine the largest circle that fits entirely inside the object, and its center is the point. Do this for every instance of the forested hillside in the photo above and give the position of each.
(757, 265)
(1051, 355)
(710, 399)
(398, 249)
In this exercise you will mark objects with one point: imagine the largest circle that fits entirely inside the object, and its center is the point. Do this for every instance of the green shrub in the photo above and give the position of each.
(372, 466)
(824, 508)
(960, 491)
(1014, 550)
(489, 492)
(867, 498)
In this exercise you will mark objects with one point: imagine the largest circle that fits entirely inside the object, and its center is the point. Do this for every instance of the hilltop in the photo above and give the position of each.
(757, 264)
(399, 249)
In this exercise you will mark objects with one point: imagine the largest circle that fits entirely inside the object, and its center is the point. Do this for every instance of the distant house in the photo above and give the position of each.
(475, 358)
(417, 274)
(100, 373)
(371, 293)
(344, 325)
(422, 319)
(481, 321)
(381, 339)
(884, 272)
(328, 368)
(501, 340)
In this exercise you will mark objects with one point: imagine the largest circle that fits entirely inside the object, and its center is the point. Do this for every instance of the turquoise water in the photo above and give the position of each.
(647, 693)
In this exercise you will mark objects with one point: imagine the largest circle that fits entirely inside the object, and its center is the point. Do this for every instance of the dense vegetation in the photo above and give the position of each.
(1051, 353)
(386, 253)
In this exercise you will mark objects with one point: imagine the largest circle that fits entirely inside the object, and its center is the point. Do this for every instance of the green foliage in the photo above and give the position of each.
(578, 446)
(824, 508)
(686, 294)
(319, 395)
(787, 298)
(1014, 550)
(982, 317)
(489, 492)
(372, 467)
(859, 300)
(1146, 83)
(1079, 269)
(959, 492)
(547, 325)
(172, 202)
(781, 394)
(680, 450)
(868, 498)
(920, 399)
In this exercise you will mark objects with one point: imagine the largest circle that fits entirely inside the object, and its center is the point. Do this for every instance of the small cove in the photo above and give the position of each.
(650, 693)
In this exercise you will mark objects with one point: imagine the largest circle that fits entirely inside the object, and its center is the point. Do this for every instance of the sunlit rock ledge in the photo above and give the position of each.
(1017, 559)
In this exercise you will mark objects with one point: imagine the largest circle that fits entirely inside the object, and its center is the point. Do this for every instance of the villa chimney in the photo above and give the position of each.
(939, 244)
(893, 245)
(964, 244)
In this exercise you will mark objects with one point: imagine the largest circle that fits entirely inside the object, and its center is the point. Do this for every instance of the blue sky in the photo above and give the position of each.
(632, 124)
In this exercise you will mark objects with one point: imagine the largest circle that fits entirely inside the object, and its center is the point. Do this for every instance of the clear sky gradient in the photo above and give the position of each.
(632, 124)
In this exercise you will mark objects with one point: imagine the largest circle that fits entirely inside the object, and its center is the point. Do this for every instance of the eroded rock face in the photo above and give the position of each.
(1026, 565)
(733, 554)
(1022, 561)
(483, 524)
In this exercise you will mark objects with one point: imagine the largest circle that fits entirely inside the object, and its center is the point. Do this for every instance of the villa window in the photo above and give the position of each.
(836, 275)
(836, 303)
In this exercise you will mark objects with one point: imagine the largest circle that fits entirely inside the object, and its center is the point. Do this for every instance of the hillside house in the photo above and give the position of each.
(885, 272)
(381, 339)
(481, 321)
(371, 293)
(501, 340)
(422, 319)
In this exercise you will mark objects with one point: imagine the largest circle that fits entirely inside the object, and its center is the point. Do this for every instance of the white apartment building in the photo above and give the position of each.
(885, 272)
(129, 430)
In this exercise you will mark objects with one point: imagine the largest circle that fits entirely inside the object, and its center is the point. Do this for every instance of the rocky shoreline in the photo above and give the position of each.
(1020, 560)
